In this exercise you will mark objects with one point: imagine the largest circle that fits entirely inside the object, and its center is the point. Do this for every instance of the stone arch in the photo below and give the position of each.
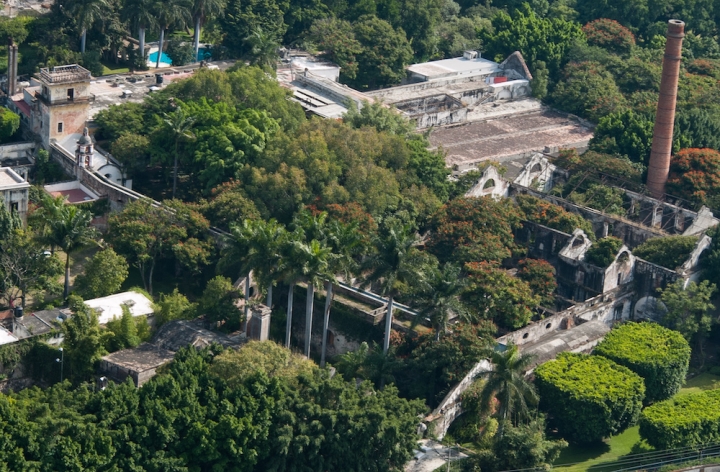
(536, 168)
(489, 184)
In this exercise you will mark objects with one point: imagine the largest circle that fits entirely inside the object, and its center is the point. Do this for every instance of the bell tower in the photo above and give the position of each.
(64, 101)
(84, 151)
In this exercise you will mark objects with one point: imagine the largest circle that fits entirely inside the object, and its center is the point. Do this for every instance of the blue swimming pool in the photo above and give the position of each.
(203, 55)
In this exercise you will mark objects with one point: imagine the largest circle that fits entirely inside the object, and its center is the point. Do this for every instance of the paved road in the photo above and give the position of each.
(431, 456)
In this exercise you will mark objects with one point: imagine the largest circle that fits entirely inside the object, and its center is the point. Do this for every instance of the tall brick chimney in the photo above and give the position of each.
(659, 166)
(11, 85)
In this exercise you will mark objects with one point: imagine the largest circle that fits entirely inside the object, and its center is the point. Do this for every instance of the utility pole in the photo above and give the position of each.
(61, 361)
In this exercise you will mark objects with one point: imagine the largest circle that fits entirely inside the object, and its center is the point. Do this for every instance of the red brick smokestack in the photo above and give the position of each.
(665, 118)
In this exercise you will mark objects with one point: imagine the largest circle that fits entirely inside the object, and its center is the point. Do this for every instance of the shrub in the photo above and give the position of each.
(104, 275)
(589, 397)
(540, 276)
(9, 124)
(695, 175)
(603, 252)
(657, 354)
(609, 34)
(553, 216)
(670, 251)
(181, 52)
(682, 421)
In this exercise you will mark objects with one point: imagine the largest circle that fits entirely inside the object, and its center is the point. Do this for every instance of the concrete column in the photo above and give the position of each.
(659, 167)
(12, 69)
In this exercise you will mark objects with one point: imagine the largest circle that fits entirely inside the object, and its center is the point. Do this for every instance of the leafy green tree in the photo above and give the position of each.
(124, 332)
(242, 18)
(24, 265)
(172, 12)
(525, 446)
(117, 120)
(474, 229)
(441, 299)
(670, 251)
(218, 304)
(589, 90)
(697, 128)
(9, 124)
(378, 116)
(336, 38)
(506, 382)
(70, 230)
(609, 34)
(419, 19)
(266, 357)
(104, 274)
(385, 53)
(228, 205)
(589, 397)
(689, 310)
(552, 215)
(625, 133)
(14, 29)
(493, 294)
(603, 251)
(132, 152)
(179, 125)
(601, 197)
(180, 52)
(540, 277)
(394, 263)
(695, 175)
(541, 78)
(174, 306)
(84, 341)
(537, 38)
(144, 234)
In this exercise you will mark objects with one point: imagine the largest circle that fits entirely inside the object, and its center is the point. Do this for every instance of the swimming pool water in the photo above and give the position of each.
(203, 55)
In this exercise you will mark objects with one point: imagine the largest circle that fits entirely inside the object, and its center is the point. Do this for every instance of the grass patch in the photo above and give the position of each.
(705, 381)
(110, 68)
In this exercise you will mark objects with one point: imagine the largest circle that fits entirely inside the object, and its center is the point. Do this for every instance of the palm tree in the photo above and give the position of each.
(87, 12)
(180, 126)
(441, 299)
(290, 273)
(141, 14)
(170, 12)
(507, 383)
(346, 243)
(201, 10)
(395, 262)
(70, 230)
(237, 252)
(313, 261)
(263, 49)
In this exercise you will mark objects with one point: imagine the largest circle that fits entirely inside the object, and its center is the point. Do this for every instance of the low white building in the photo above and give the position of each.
(14, 190)
(110, 307)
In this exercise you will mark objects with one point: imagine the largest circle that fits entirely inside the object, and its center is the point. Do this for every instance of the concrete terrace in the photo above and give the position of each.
(508, 137)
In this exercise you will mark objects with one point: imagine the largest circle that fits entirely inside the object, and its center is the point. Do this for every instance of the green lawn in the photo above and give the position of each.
(608, 455)
(110, 68)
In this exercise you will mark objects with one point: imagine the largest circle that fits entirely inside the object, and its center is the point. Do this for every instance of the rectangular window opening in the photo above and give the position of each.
(60, 127)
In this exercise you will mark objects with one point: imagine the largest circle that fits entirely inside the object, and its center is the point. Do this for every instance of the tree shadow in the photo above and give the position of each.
(581, 453)
(633, 459)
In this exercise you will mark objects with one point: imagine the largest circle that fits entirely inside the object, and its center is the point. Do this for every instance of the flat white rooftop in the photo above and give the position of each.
(9, 179)
(110, 307)
(6, 337)
(455, 66)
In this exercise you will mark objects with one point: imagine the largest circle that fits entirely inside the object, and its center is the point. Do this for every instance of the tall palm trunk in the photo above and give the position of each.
(141, 40)
(326, 321)
(175, 167)
(66, 291)
(82, 41)
(388, 325)
(196, 38)
(247, 303)
(308, 316)
(288, 327)
(269, 296)
(160, 46)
